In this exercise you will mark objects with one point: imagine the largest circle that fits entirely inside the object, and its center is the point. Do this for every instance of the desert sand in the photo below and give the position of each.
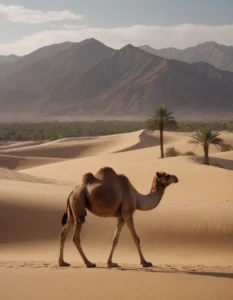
(188, 237)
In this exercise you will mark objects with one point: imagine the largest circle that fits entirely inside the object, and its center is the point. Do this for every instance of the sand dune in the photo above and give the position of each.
(140, 166)
(188, 237)
(81, 147)
(12, 145)
(20, 162)
(88, 146)
(21, 155)
(7, 176)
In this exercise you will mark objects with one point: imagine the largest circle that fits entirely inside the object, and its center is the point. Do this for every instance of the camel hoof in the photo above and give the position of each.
(147, 264)
(63, 264)
(112, 265)
(90, 265)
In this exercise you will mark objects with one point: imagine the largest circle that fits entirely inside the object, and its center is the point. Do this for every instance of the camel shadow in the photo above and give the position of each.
(163, 270)
(176, 271)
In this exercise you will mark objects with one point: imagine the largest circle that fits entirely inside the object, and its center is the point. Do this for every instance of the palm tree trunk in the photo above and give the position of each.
(161, 141)
(206, 154)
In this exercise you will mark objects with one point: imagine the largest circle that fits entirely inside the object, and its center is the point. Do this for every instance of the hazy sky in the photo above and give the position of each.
(26, 25)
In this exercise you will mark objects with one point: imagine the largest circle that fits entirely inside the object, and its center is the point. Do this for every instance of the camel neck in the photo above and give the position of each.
(151, 200)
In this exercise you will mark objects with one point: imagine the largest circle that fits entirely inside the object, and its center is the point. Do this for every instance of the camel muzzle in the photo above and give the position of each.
(175, 179)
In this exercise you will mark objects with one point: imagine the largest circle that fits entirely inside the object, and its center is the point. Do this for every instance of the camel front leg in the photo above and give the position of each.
(77, 242)
(116, 236)
(63, 237)
(130, 223)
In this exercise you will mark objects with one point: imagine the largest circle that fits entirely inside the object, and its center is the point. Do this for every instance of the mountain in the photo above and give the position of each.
(49, 65)
(89, 78)
(8, 58)
(9, 68)
(132, 81)
(220, 56)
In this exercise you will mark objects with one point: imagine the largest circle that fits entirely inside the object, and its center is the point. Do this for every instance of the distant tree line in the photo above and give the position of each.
(23, 131)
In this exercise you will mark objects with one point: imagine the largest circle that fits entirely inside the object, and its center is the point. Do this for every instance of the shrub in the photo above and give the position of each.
(171, 152)
(226, 147)
(189, 153)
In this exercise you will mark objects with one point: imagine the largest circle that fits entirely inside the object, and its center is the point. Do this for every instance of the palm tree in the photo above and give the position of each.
(205, 137)
(160, 119)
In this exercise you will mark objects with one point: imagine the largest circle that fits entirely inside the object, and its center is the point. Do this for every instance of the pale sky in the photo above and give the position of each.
(26, 25)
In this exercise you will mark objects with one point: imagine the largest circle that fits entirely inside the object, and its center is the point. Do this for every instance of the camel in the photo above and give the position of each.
(108, 194)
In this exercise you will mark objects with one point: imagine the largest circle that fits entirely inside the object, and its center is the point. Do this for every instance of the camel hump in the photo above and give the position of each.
(88, 178)
(125, 184)
(124, 180)
(106, 172)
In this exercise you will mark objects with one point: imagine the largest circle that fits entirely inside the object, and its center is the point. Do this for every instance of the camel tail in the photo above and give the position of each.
(65, 215)
(64, 219)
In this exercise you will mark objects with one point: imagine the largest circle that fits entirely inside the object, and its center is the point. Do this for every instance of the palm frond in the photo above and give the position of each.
(206, 135)
(161, 117)
(152, 124)
(217, 142)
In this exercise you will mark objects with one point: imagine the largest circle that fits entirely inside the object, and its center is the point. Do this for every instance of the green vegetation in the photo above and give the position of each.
(25, 131)
(189, 153)
(205, 137)
(226, 147)
(171, 152)
(161, 119)
(57, 130)
(192, 126)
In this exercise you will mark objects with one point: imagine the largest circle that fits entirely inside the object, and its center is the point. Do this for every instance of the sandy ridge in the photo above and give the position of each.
(17, 176)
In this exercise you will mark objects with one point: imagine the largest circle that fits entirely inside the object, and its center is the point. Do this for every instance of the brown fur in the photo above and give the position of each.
(108, 194)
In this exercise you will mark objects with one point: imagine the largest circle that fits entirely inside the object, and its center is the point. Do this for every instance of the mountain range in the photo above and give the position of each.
(220, 56)
(88, 78)
(8, 58)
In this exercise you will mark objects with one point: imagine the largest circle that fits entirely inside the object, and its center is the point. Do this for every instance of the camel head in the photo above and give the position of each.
(166, 179)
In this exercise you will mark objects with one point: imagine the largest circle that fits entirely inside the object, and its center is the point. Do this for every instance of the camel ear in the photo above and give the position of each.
(158, 174)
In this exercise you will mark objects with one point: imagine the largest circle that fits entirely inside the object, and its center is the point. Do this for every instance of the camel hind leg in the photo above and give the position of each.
(63, 237)
(78, 209)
